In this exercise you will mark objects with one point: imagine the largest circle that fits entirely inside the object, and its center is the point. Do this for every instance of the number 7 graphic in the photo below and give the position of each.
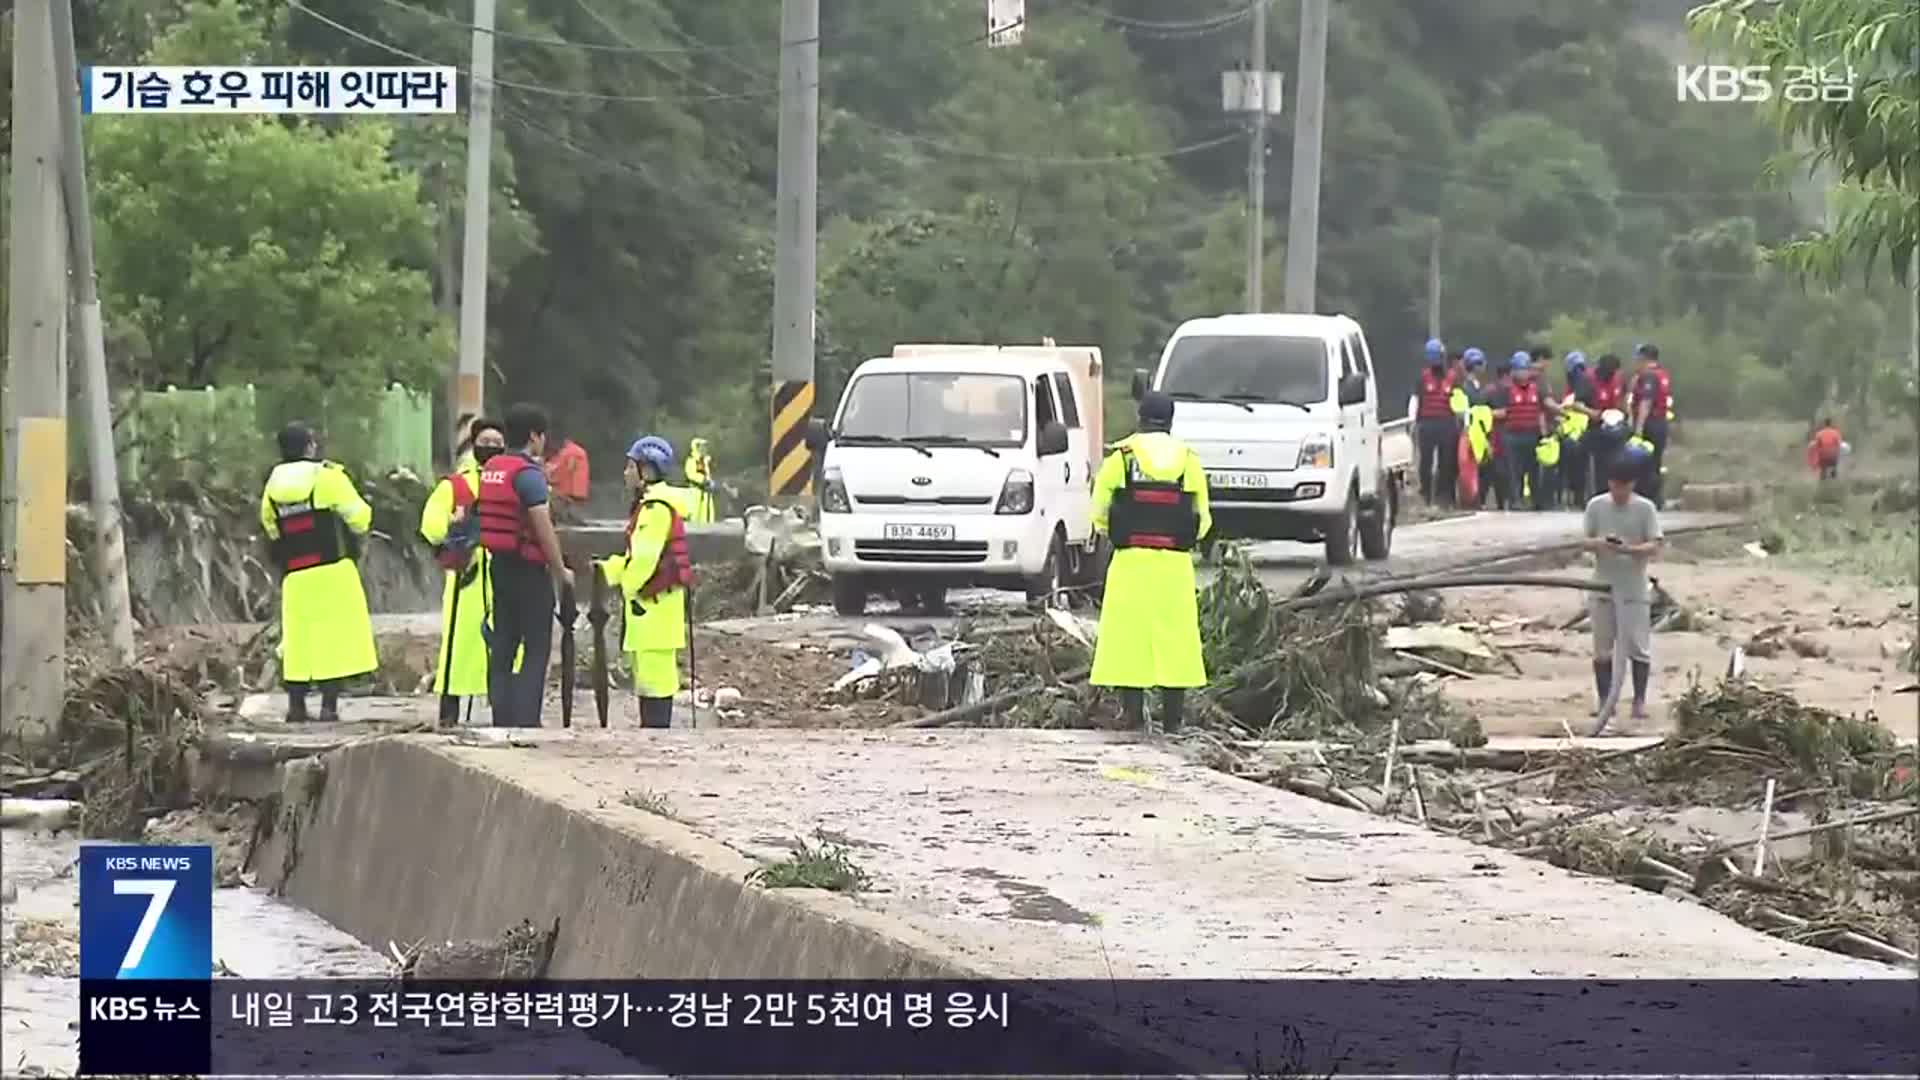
(157, 891)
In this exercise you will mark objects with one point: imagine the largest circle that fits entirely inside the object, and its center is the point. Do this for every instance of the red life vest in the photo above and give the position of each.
(674, 568)
(1656, 380)
(1606, 393)
(1149, 513)
(1435, 400)
(455, 551)
(503, 521)
(307, 537)
(1523, 408)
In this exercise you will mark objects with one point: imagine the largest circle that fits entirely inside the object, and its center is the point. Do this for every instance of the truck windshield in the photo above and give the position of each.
(966, 407)
(1233, 368)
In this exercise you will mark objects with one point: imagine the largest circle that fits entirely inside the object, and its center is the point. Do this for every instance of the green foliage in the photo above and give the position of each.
(1872, 142)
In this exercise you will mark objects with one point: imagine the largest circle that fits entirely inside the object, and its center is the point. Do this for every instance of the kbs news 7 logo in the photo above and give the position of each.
(1759, 83)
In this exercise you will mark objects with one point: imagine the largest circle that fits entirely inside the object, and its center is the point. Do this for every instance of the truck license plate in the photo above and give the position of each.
(1237, 479)
(918, 532)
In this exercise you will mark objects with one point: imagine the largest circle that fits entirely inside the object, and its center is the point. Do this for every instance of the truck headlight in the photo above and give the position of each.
(1016, 495)
(1316, 452)
(833, 492)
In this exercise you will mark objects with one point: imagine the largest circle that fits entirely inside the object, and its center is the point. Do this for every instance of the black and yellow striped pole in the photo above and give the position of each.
(790, 460)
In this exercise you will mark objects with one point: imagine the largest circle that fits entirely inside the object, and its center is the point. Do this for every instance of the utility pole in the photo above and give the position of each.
(33, 649)
(1303, 211)
(789, 459)
(103, 470)
(1257, 167)
(469, 387)
(1433, 283)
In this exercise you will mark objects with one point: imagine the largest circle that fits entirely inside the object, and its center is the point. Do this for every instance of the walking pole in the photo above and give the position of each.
(693, 671)
(451, 634)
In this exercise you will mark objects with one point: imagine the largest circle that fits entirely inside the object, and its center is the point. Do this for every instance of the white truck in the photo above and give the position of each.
(948, 466)
(1284, 413)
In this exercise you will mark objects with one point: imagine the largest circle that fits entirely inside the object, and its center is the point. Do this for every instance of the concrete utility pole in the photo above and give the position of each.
(1257, 167)
(789, 460)
(1433, 283)
(469, 388)
(103, 469)
(1303, 211)
(33, 648)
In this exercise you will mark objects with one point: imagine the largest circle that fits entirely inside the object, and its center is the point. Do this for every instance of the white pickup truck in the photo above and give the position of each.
(950, 466)
(1284, 412)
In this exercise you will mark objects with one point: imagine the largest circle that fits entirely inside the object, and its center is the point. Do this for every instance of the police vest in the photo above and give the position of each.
(308, 537)
(674, 568)
(1548, 453)
(503, 521)
(1659, 387)
(1435, 396)
(1523, 408)
(1149, 513)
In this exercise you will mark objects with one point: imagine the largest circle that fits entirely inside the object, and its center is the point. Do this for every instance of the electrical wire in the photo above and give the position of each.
(564, 43)
(1180, 27)
(530, 88)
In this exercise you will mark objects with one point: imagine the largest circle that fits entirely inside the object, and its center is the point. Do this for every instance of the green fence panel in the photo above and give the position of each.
(221, 432)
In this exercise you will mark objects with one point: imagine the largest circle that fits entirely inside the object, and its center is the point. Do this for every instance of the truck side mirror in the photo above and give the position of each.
(817, 435)
(1138, 386)
(1353, 389)
(1053, 439)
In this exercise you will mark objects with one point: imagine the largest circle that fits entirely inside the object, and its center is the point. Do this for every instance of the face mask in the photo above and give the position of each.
(484, 454)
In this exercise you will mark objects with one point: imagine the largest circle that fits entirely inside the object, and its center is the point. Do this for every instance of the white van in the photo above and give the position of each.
(962, 465)
(1284, 413)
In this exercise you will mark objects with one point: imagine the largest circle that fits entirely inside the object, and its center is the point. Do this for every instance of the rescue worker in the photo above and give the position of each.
(1576, 478)
(1548, 455)
(449, 525)
(1435, 425)
(568, 486)
(1824, 450)
(525, 568)
(654, 575)
(1605, 391)
(313, 518)
(1623, 534)
(699, 472)
(1523, 416)
(1652, 402)
(1150, 498)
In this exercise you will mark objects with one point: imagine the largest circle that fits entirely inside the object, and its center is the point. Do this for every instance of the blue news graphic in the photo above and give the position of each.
(146, 912)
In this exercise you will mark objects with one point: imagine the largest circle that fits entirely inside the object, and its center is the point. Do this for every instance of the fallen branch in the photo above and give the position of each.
(1809, 830)
(986, 706)
(1429, 662)
(1873, 947)
(1541, 774)
(1438, 581)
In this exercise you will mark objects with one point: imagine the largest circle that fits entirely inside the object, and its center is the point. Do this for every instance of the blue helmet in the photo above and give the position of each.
(1520, 362)
(654, 451)
(1474, 358)
(1436, 349)
(1576, 361)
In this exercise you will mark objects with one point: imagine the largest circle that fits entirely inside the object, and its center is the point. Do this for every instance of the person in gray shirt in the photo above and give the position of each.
(1623, 533)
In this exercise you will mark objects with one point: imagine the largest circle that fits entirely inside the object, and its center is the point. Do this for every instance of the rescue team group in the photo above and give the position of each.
(1513, 434)
(491, 527)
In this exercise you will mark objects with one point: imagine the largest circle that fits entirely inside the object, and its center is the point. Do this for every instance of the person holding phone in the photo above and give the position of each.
(1624, 536)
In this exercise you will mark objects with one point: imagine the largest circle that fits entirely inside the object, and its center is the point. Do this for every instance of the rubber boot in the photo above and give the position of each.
(656, 713)
(1642, 672)
(330, 705)
(297, 704)
(449, 711)
(1133, 708)
(1173, 707)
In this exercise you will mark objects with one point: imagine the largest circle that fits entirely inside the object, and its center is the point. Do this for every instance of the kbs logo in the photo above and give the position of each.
(1758, 83)
(146, 912)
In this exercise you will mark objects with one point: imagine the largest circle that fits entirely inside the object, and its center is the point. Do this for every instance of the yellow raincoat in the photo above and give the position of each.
(1480, 432)
(461, 628)
(1547, 452)
(325, 631)
(1150, 619)
(654, 637)
(699, 470)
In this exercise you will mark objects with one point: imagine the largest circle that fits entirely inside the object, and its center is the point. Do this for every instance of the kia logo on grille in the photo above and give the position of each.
(922, 481)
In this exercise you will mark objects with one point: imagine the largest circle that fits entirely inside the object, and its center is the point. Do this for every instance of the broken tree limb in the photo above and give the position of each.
(987, 706)
(1437, 581)
(1809, 830)
(1872, 948)
(1541, 774)
(1429, 662)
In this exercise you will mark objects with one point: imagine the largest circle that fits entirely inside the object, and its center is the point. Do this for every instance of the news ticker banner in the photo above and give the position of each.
(236, 1027)
(242, 91)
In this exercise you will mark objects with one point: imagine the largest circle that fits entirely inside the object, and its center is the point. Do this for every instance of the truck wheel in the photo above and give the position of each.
(1343, 534)
(849, 595)
(1043, 589)
(1376, 528)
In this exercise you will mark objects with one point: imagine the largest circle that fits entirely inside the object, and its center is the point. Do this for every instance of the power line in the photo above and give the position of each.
(1179, 27)
(531, 88)
(955, 150)
(562, 43)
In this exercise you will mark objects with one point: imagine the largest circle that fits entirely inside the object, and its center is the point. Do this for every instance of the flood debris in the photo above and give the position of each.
(523, 951)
